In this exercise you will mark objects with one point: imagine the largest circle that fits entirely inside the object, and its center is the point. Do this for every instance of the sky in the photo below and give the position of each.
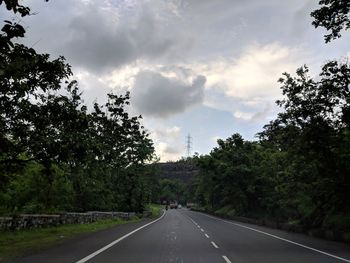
(200, 67)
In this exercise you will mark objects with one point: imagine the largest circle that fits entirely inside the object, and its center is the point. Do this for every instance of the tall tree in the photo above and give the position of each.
(314, 122)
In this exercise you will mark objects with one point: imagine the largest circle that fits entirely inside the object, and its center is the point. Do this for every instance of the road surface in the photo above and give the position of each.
(186, 236)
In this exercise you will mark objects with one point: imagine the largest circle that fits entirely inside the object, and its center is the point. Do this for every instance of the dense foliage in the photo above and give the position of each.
(298, 170)
(55, 153)
(333, 15)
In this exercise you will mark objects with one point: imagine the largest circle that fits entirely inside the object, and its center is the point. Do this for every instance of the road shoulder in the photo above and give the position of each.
(79, 246)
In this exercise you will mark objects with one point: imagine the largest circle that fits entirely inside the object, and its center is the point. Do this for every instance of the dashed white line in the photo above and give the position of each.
(94, 254)
(214, 245)
(280, 238)
(198, 226)
(206, 236)
(194, 222)
(202, 229)
(226, 259)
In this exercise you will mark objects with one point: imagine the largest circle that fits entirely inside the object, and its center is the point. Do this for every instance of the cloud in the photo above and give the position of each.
(247, 85)
(175, 54)
(254, 73)
(255, 110)
(167, 152)
(156, 95)
(101, 36)
(99, 42)
(253, 116)
(94, 89)
(262, 115)
(172, 133)
(166, 140)
(242, 115)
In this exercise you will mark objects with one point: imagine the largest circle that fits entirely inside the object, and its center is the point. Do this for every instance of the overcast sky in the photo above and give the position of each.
(204, 67)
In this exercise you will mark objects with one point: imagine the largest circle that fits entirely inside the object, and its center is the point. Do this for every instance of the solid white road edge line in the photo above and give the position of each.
(280, 238)
(214, 245)
(116, 241)
(206, 236)
(226, 259)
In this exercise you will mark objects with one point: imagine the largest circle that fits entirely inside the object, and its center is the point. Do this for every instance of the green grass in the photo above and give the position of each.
(226, 211)
(156, 209)
(17, 243)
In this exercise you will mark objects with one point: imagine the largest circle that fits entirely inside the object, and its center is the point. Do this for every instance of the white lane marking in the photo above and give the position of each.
(194, 222)
(94, 254)
(280, 238)
(214, 245)
(226, 259)
(198, 226)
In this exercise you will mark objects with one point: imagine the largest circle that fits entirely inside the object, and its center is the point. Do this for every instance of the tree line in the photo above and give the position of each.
(298, 169)
(56, 153)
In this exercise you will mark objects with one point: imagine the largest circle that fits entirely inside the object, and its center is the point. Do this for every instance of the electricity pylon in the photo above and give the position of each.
(188, 145)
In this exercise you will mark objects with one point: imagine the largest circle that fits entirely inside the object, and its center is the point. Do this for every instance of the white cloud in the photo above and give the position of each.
(242, 115)
(166, 140)
(167, 152)
(173, 133)
(166, 133)
(254, 73)
(94, 89)
(255, 114)
(124, 76)
(247, 86)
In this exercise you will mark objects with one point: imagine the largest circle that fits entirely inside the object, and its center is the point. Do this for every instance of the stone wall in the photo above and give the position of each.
(29, 221)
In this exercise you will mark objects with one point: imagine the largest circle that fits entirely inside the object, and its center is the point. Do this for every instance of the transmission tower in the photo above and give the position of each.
(188, 145)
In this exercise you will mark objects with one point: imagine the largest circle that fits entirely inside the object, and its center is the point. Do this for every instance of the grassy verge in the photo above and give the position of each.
(156, 209)
(17, 243)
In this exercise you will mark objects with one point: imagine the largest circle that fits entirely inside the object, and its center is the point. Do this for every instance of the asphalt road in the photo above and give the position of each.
(186, 236)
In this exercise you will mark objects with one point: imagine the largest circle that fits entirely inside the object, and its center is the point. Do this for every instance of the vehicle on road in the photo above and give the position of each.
(173, 206)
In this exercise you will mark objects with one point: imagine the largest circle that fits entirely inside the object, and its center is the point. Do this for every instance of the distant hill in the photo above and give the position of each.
(183, 171)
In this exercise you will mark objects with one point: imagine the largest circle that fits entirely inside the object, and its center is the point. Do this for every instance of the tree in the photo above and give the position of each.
(333, 16)
(24, 75)
(311, 128)
(48, 134)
